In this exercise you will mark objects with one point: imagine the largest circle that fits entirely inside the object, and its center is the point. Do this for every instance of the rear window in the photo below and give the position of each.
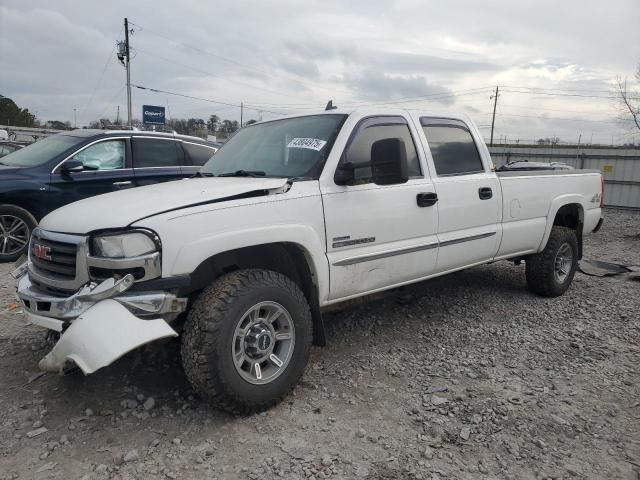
(452, 147)
(151, 152)
(199, 154)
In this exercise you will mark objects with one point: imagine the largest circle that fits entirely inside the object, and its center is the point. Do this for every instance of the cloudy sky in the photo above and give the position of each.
(555, 61)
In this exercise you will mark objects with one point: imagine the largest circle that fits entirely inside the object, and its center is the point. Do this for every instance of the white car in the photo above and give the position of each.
(290, 216)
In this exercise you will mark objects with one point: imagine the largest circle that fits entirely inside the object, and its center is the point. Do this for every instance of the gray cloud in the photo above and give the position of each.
(381, 86)
(53, 54)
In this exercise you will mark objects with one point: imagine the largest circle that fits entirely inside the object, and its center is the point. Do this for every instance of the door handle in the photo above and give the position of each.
(127, 183)
(485, 193)
(427, 199)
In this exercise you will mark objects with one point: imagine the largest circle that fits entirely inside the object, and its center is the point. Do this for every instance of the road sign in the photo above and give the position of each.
(152, 115)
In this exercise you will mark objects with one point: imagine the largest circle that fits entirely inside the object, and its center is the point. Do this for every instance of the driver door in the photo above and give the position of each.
(107, 168)
(380, 235)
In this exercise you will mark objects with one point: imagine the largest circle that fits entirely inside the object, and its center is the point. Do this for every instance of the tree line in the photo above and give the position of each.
(198, 127)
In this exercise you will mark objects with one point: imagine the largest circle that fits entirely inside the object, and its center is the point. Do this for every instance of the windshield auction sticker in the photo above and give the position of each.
(310, 143)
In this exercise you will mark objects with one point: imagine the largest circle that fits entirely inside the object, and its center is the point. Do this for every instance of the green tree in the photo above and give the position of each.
(58, 125)
(11, 114)
(212, 124)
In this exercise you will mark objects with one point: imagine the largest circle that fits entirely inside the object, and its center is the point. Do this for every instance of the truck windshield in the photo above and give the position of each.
(292, 147)
(42, 151)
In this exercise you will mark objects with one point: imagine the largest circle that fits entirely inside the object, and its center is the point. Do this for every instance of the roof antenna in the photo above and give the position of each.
(330, 106)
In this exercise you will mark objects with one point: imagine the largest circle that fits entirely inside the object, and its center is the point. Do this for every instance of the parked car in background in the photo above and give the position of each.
(524, 165)
(9, 147)
(70, 166)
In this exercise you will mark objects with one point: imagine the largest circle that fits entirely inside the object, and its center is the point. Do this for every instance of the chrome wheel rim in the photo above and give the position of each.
(14, 234)
(563, 263)
(263, 343)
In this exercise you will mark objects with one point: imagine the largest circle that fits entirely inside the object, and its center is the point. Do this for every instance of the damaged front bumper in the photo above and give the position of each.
(99, 323)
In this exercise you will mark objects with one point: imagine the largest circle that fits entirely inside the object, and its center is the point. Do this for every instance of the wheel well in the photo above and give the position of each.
(288, 259)
(571, 216)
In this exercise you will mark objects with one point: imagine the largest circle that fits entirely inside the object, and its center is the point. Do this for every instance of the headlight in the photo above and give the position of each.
(124, 245)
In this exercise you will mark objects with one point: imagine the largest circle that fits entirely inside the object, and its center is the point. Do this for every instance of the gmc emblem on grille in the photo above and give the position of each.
(42, 252)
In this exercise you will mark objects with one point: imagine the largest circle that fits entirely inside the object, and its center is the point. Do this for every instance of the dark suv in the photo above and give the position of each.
(67, 167)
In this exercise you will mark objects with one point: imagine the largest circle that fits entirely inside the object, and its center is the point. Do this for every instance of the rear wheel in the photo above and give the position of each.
(16, 225)
(247, 340)
(550, 272)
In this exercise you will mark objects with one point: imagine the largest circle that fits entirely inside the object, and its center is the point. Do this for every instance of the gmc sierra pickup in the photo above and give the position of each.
(290, 216)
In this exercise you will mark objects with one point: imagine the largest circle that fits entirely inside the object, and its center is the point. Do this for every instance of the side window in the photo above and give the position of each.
(199, 154)
(151, 152)
(452, 147)
(107, 155)
(359, 151)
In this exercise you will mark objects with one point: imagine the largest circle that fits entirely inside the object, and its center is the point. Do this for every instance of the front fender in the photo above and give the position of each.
(194, 235)
(191, 255)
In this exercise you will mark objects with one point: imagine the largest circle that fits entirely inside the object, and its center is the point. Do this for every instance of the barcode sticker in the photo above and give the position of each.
(310, 143)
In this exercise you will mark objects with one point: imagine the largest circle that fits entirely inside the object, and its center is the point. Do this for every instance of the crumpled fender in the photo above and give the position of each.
(101, 335)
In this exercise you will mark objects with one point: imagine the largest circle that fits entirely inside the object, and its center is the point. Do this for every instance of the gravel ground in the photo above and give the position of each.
(467, 376)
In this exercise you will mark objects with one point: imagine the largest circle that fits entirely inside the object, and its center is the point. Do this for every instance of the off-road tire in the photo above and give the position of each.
(208, 333)
(30, 222)
(540, 268)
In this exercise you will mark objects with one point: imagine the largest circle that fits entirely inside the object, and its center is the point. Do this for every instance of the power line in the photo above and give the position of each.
(558, 89)
(218, 102)
(225, 59)
(215, 75)
(104, 69)
(398, 100)
(395, 102)
(555, 118)
(562, 94)
(536, 107)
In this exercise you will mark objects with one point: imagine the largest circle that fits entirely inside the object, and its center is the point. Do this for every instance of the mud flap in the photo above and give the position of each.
(101, 335)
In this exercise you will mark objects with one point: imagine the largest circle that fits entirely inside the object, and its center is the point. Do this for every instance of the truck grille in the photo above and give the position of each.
(54, 259)
(58, 261)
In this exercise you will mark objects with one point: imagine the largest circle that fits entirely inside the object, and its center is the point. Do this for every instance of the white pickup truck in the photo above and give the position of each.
(290, 216)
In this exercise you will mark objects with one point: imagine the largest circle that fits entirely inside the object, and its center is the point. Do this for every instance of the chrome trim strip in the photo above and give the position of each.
(105, 139)
(389, 253)
(405, 250)
(467, 239)
(150, 262)
(211, 147)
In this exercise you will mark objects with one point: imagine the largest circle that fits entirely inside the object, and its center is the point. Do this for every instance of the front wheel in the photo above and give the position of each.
(550, 272)
(16, 225)
(247, 340)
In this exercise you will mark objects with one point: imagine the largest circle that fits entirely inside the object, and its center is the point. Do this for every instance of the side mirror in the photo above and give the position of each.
(344, 174)
(389, 162)
(71, 166)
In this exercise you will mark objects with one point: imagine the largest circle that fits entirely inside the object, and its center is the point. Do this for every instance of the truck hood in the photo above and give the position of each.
(120, 209)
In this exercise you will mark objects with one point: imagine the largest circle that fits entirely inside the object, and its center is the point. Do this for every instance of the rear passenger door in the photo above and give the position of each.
(196, 155)
(467, 194)
(156, 159)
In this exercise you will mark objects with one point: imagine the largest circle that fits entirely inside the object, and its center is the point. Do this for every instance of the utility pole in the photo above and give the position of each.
(241, 112)
(128, 67)
(75, 120)
(493, 120)
(118, 116)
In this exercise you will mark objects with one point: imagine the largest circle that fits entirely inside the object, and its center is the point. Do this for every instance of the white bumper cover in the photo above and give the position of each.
(101, 335)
